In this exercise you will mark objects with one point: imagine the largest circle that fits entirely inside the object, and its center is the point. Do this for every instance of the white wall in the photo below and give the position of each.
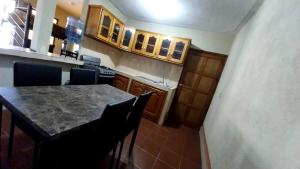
(6, 68)
(253, 121)
(209, 41)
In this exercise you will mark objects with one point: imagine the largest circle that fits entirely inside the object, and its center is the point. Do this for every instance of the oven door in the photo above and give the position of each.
(106, 79)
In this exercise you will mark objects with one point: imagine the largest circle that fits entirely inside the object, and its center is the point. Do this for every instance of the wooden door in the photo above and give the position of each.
(121, 82)
(199, 79)
(127, 38)
(116, 32)
(164, 47)
(105, 25)
(179, 50)
(156, 102)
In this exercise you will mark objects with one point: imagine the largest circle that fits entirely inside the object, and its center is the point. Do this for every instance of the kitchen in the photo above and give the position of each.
(175, 50)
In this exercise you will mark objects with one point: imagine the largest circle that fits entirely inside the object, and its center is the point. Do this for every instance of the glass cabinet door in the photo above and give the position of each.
(105, 25)
(164, 47)
(179, 49)
(115, 36)
(127, 38)
(139, 42)
(151, 44)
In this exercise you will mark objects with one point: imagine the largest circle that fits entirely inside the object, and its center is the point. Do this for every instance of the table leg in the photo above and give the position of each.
(11, 137)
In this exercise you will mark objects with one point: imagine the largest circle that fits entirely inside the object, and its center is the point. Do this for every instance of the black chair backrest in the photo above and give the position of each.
(112, 123)
(137, 110)
(83, 76)
(28, 74)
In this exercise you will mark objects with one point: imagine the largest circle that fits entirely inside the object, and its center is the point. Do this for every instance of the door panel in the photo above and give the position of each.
(200, 76)
(127, 38)
(139, 41)
(105, 25)
(179, 50)
(163, 49)
(151, 44)
(115, 35)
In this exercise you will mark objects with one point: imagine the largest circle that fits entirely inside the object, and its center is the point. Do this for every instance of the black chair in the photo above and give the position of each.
(133, 123)
(97, 139)
(83, 76)
(28, 74)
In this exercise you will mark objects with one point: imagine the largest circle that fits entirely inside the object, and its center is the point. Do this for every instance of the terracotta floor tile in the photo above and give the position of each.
(189, 164)
(142, 159)
(170, 157)
(156, 138)
(161, 165)
(151, 147)
(156, 147)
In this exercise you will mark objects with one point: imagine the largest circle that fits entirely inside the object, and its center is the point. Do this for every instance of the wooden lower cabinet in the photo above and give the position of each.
(121, 82)
(155, 105)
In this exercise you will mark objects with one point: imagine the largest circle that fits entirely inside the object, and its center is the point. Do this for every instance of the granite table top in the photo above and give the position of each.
(55, 109)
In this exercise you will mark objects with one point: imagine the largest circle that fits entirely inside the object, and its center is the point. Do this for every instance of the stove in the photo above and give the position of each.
(105, 74)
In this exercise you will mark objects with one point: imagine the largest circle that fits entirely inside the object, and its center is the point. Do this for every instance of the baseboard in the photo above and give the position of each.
(205, 160)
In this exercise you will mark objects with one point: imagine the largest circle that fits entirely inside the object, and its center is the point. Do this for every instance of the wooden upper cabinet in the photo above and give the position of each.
(164, 47)
(179, 50)
(139, 41)
(93, 20)
(105, 26)
(127, 38)
(116, 32)
(151, 44)
(145, 43)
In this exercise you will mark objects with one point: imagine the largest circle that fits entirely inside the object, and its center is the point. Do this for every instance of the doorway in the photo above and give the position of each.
(201, 73)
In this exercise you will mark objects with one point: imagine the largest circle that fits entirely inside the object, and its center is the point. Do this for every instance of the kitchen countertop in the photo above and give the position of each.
(170, 90)
(55, 109)
(136, 77)
(27, 53)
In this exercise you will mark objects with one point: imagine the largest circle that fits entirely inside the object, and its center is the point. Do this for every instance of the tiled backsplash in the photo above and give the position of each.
(151, 68)
(132, 63)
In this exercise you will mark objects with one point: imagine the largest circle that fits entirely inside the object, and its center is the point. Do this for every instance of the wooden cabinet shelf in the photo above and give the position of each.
(103, 25)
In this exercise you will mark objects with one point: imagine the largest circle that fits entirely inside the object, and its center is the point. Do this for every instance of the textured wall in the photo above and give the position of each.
(253, 122)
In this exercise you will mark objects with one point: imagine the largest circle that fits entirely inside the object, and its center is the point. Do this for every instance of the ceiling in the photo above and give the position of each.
(208, 15)
(74, 7)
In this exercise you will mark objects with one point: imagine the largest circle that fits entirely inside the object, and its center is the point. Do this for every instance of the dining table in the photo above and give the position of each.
(45, 113)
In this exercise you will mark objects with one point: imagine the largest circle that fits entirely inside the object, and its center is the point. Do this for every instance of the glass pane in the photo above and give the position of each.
(178, 50)
(139, 42)
(127, 38)
(151, 44)
(106, 21)
(104, 32)
(116, 32)
(165, 45)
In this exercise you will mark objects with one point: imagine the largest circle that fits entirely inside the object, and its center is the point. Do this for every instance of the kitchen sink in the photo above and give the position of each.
(154, 81)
